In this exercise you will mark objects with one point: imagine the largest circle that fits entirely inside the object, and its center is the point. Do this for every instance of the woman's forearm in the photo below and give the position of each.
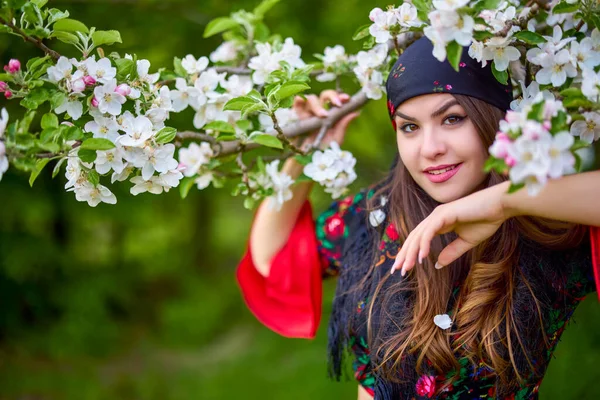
(271, 229)
(573, 198)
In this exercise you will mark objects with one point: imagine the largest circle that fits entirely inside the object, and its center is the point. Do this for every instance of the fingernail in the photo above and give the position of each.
(438, 265)
(392, 271)
(420, 259)
(403, 272)
(337, 102)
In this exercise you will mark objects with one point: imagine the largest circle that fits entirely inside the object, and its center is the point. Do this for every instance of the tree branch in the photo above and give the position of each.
(26, 37)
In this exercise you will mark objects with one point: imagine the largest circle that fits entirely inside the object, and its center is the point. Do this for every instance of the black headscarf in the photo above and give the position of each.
(418, 72)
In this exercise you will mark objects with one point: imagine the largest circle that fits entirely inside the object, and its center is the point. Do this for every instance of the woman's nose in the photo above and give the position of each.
(433, 144)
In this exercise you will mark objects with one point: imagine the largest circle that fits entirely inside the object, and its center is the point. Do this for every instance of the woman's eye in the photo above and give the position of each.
(408, 128)
(453, 119)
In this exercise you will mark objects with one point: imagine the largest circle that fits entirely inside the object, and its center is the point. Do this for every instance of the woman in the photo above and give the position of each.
(513, 273)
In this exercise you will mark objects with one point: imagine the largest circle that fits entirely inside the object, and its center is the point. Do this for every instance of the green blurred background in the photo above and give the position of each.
(139, 300)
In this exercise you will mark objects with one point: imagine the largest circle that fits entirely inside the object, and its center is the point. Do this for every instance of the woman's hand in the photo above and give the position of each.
(473, 218)
(314, 106)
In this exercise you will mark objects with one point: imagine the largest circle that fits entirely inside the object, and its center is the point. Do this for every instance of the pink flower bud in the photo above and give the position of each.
(3, 86)
(503, 137)
(8, 94)
(181, 167)
(511, 162)
(13, 66)
(89, 80)
(547, 125)
(94, 102)
(123, 89)
(78, 86)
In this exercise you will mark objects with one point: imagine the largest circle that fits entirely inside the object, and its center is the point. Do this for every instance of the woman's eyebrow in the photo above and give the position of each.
(435, 114)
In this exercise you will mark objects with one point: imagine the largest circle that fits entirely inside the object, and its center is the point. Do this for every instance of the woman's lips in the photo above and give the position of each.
(443, 176)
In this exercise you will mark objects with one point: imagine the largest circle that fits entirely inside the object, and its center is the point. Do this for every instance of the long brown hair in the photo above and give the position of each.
(483, 310)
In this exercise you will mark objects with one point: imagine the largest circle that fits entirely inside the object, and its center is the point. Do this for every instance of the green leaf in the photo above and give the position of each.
(87, 155)
(495, 164)
(39, 166)
(422, 5)
(97, 144)
(39, 3)
(571, 92)
(303, 159)
(70, 25)
(32, 13)
(185, 185)
(514, 187)
(72, 133)
(49, 134)
(578, 162)
(369, 43)
(290, 89)
(486, 5)
(35, 98)
(530, 37)
(93, 177)
(125, 67)
(49, 120)
(238, 103)
(59, 164)
(56, 99)
(35, 63)
(576, 102)
(178, 68)
(166, 135)
(6, 77)
(219, 25)
(563, 7)
(266, 140)
(244, 125)
(220, 126)
(454, 51)
(66, 37)
(482, 35)
(594, 19)
(263, 7)
(106, 37)
(362, 32)
(579, 144)
(55, 15)
(536, 112)
(249, 203)
(501, 76)
(253, 108)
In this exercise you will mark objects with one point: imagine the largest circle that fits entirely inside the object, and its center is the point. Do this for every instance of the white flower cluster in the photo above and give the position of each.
(268, 59)
(3, 158)
(368, 70)
(192, 161)
(448, 25)
(536, 155)
(208, 92)
(559, 62)
(333, 169)
(226, 52)
(334, 59)
(393, 21)
(277, 180)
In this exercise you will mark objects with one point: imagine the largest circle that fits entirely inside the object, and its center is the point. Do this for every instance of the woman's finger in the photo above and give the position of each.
(330, 96)
(452, 252)
(315, 107)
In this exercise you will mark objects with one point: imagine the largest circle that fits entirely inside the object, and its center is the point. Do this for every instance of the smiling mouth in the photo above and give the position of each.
(442, 170)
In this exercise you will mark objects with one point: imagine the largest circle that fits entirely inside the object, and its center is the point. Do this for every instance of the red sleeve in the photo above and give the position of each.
(288, 301)
(595, 240)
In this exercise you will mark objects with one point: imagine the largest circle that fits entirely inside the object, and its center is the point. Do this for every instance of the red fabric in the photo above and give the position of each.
(288, 301)
(595, 239)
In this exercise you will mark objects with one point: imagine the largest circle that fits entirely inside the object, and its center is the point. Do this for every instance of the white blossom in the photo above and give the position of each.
(556, 69)
(449, 5)
(109, 159)
(407, 17)
(184, 96)
(291, 53)
(62, 70)
(95, 195)
(154, 185)
(143, 66)
(159, 159)
(531, 95)
(280, 182)
(532, 162)
(72, 106)
(193, 66)
(170, 179)
(443, 321)
(561, 158)
(103, 127)
(590, 85)
(204, 180)
(195, 156)
(3, 157)
(108, 100)
(138, 131)
(264, 63)
(123, 175)
(321, 167)
(285, 117)
(102, 70)
(382, 22)
(588, 129)
(226, 52)
(583, 54)
(498, 49)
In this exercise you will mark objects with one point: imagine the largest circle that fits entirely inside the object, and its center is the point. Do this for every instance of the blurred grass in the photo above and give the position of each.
(138, 300)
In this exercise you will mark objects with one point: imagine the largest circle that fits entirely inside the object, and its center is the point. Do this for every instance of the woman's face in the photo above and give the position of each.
(439, 146)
